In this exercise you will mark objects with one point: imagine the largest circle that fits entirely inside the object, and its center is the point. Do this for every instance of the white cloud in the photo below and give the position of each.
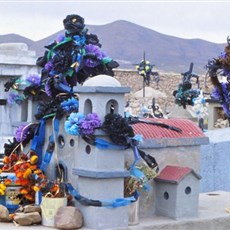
(193, 19)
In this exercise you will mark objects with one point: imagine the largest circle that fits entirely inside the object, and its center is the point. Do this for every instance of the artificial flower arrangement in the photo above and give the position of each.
(28, 174)
(30, 86)
(217, 67)
(68, 60)
(25, 170)
(134, 184)
(185, 94)
(144, 167)
(79, 124)
(200, 107)
(122, 136)
(30, 178)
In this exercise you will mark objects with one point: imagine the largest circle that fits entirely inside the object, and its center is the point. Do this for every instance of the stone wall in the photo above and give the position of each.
(168, 83)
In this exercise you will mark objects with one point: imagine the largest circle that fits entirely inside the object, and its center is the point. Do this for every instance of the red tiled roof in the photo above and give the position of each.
(189, 129)
(174, 174)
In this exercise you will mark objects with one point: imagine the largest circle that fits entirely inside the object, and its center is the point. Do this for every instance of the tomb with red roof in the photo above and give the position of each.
(177, 192)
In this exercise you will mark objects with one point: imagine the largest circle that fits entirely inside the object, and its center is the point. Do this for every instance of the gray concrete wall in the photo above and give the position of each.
(184, 156)
(16, 60)
(215, 161)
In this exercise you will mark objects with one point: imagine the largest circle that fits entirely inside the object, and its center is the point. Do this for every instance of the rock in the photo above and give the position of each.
(68, 217)
(221, 123)
(4, 214)
(25, 219)
(32, 208)
(149, 92)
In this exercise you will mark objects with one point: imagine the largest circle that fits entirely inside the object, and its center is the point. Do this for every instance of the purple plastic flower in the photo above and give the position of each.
(48, 66)
(95, 50)
(223, 55)
(48, 89)
(86, 127)
(60, 38)
(225, 107)
(91, 122)
(77, 123)
(21, 133)
(95, 120)
(14, 98)
(11, 98)
(95, 55)
(223, 97)
(34, 79)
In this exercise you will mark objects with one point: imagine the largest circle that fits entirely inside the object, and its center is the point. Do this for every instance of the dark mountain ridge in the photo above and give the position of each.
(126, 42)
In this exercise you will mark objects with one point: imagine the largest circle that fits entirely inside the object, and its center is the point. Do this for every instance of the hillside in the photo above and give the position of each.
(8, 38)
(126, 42)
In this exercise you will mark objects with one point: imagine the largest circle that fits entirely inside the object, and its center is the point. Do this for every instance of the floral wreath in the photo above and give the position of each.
(185, 95)
(69, 60)
(216, 67)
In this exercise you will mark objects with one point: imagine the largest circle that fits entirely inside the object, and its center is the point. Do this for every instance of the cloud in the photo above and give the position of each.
(186, 19)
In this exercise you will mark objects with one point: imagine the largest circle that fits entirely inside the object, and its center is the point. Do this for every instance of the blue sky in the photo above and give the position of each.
(208, 20)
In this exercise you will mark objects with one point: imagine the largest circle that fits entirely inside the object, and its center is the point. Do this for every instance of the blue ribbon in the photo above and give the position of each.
(56, 125)
(49, 151)
(114, 203)
(102, 144)
(48, 154)
(38, 140)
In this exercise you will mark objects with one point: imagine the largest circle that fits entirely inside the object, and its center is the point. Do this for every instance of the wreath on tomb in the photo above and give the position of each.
(185, 94)
(217, 68)
(69, 60)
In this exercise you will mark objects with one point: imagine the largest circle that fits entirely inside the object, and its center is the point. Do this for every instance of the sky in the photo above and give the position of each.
(207, 20)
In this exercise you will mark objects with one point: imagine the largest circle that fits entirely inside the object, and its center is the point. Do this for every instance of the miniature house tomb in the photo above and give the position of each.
(177, 192)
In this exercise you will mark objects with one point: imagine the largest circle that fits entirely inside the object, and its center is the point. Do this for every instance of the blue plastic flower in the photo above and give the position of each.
(71, 128)
(138, 138)
(72, 124)
(70, 105)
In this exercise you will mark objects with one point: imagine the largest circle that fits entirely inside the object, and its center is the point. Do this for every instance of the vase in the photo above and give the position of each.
(134, 213)
(11, 198)
(50, 206)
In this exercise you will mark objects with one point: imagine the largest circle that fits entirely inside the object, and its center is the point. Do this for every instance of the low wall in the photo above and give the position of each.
(215, 161)
(169, 82)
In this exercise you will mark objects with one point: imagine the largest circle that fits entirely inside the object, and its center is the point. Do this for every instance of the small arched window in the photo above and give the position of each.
(88, 108)
(112, 107)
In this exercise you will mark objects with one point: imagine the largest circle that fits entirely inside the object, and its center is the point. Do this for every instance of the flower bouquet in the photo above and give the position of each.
(139, 180)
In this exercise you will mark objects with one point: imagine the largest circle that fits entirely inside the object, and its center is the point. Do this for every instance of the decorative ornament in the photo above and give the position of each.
(217, 67)
(185, 95)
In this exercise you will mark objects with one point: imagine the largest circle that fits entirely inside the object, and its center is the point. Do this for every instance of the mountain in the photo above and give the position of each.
(8, 38)
(126, 43)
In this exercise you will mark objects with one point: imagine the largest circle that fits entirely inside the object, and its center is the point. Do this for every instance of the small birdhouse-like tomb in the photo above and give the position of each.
(177, 192)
